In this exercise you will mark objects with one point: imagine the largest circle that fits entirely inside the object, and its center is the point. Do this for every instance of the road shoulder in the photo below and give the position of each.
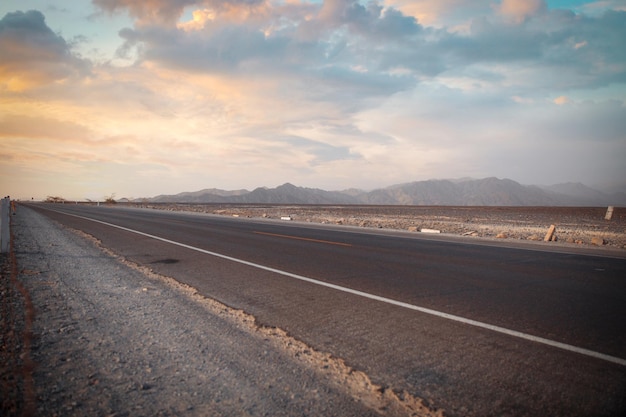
(110, 338)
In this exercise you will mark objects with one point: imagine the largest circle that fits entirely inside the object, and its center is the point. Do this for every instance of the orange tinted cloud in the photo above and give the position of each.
(19, 126)
(426, 12)
(169, 12)
(250, 93)
(518, 10)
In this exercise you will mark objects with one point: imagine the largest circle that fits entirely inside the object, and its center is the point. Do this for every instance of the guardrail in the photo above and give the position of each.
(5, 225)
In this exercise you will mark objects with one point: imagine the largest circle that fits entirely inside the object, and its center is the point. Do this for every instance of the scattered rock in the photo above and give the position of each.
(598, 241)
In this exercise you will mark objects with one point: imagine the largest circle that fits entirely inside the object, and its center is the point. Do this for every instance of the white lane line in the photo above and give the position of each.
(498, 329)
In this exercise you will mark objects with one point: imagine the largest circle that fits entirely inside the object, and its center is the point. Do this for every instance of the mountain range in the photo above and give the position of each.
(462, 192)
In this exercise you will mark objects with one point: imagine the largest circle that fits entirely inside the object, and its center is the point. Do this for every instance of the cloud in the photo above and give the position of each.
(349, 59)
(199, 20)
(155, 11)
(371, 20)
(32, 54)
(317, 152)
(343, 48)
(596, 8)
(333, 95)
(519, 10)
(550, 52)
(20, 126)
(374, 45)
(169, 12)
(450, 14)
(480, 135)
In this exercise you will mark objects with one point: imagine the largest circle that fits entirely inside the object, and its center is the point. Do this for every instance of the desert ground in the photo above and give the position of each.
(573, 225)
(60, 357)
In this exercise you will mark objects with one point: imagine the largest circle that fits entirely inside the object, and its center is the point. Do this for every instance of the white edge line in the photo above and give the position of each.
(498, 329)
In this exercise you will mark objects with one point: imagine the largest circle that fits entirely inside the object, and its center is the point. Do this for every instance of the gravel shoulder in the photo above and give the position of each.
(86, 333)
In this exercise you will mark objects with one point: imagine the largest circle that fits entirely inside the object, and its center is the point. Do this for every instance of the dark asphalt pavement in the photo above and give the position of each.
(573, 299)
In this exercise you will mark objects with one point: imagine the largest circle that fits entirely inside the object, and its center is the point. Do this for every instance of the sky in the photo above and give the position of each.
(136, 98)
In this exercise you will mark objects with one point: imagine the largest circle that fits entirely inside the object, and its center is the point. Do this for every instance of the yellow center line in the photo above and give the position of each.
(304, 238)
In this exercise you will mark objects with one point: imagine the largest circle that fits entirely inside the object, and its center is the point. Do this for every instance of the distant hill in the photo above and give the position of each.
(586, 195)
(485, 192)
(463, 192)
(209, 195)
(290, 194)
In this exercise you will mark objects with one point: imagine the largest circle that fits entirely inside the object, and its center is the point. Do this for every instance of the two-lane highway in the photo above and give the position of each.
(475, 329)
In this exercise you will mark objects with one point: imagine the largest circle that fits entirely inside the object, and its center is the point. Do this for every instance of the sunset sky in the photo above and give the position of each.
(136, 98)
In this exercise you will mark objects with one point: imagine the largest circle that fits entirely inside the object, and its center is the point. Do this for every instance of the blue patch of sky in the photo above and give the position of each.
(92, 33)
(581, 6)
(566, 4)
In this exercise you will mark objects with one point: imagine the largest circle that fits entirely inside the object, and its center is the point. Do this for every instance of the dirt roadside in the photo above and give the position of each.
(86, 333)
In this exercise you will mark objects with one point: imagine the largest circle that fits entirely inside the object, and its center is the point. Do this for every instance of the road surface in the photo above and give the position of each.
(473, 329)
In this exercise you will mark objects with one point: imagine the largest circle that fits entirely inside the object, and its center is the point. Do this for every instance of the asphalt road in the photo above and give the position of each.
(473, 329)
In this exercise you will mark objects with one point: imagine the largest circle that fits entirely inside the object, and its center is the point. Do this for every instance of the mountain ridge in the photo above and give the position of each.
(489, 191)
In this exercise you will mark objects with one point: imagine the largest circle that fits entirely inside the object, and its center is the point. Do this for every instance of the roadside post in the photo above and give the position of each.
(5, 232)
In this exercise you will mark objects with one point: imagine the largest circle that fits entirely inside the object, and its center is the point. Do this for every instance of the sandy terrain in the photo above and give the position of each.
(574, 225)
